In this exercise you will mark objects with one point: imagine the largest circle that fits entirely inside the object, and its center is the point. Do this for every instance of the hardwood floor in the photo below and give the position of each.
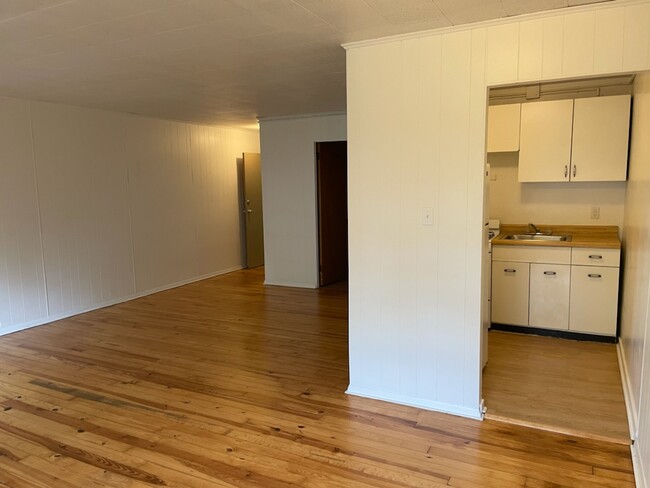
(227, 383)
(558, 384)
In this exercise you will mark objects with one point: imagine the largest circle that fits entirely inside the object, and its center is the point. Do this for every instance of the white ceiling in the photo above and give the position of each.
(210, 61)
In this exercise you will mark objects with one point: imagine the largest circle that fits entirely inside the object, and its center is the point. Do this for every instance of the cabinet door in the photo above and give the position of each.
(503, 128)
(601, 127)
(594, 300)
(545, 141)
(510, 293)
(549, 296)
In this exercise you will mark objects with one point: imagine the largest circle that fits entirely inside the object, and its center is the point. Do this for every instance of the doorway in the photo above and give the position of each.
(253, 215)
(332, 198)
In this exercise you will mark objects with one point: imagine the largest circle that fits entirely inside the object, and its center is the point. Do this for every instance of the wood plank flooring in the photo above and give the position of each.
(558, 384)
(227, 383)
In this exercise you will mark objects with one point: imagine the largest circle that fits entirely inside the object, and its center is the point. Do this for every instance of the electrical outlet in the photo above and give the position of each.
(595, 212)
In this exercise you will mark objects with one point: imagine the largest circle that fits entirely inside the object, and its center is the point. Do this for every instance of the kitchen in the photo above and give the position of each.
(558, 164)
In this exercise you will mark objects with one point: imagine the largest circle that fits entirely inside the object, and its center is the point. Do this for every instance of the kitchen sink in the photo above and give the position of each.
(537, 237)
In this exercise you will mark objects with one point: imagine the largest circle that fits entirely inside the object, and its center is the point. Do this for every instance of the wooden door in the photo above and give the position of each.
(332, 175)
(253, 210)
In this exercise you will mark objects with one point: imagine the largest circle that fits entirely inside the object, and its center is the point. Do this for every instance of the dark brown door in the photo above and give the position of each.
(253, 210)
(332, 171)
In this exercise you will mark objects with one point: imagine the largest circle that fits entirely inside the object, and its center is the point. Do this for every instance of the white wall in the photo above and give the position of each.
(289, 195)
(550, 203)
(635, 320)
(416, 138)
(99, 207)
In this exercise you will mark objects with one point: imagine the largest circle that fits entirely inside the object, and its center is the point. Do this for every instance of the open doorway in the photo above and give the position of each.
(332, 197)
(557, 155)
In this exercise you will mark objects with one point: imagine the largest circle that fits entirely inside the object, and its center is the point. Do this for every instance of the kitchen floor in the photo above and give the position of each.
(556, 384)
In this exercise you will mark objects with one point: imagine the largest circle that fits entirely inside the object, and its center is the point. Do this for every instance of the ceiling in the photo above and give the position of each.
(210, 61)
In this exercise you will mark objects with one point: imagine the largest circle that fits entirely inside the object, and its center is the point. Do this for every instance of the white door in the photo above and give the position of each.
(549, 296)
(545, 142)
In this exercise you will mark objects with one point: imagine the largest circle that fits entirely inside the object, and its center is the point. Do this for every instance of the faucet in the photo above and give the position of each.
(535, 228)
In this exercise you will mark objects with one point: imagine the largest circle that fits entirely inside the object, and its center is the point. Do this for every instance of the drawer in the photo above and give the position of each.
(532, 254)
(596, 257)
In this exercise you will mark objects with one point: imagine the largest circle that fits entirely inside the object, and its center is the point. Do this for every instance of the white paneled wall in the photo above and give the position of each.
(289, 195)
(99, 207)
(635, 321)
(416, 106)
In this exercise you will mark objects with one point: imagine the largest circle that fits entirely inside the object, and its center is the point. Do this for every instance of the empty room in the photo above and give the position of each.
(324, 243)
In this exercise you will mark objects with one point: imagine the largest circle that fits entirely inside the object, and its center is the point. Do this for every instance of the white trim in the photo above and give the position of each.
(300, 116)
(639, 471)
(70, 313)
(418, 402)
(290, 284)
(493, 22)
(632, 414)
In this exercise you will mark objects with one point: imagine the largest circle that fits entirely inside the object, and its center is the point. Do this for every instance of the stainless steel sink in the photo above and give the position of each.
(537, 237)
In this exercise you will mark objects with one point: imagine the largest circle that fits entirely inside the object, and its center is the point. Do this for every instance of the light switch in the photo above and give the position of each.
(427, 216)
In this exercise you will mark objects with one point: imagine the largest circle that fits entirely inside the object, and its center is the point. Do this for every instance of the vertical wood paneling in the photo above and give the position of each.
(100, 178)
(81, 177)
(22, 283)
(636, 40)
(428, 191)
(474, 230)
(502, 53)
(553, 47)
(579, 37)
(531, 43)
(453, 206)
(608, 47)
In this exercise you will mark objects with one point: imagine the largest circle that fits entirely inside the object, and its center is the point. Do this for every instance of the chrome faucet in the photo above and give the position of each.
(535, 228)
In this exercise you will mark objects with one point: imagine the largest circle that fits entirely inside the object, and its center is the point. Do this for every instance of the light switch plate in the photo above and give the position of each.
(427, 216)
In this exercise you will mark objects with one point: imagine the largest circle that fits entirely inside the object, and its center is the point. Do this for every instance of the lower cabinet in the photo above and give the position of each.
(594, 300)
(510, 293)
(549, 296)
(564, 294)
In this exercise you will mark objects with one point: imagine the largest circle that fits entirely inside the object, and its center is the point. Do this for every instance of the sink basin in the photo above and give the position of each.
(536, 237)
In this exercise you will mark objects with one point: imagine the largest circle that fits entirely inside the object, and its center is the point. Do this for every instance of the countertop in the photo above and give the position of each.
(602, 236)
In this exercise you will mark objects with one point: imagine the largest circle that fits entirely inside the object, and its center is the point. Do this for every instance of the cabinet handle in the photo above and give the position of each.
(595, 256)
(574, 170)
(594, 275)
(550, 273)
(509, 270)
(566, 170)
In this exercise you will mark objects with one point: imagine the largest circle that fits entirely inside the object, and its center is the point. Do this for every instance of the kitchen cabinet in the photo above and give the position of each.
(510, 292)
(549, 296)
(562, 288)
(575, 140)
(503, 127)
(545, 141)
(594, 291)
(600, 138)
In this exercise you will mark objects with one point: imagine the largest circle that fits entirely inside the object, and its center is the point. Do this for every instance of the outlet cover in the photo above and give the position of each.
(595, 212)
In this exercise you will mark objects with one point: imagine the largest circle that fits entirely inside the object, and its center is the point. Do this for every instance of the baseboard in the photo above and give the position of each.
(418, 402)
(632, 418)
(290, 284)
(70, 313)
(639, 470)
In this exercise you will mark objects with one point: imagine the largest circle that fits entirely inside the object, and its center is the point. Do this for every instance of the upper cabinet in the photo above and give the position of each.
(601, 129)
(545, 152)
(581, 140)
(503, 128)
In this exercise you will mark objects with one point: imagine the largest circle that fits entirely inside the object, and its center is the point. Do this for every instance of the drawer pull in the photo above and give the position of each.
(550, 273)
(510, 270)
(594, 275)
(595, 256)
